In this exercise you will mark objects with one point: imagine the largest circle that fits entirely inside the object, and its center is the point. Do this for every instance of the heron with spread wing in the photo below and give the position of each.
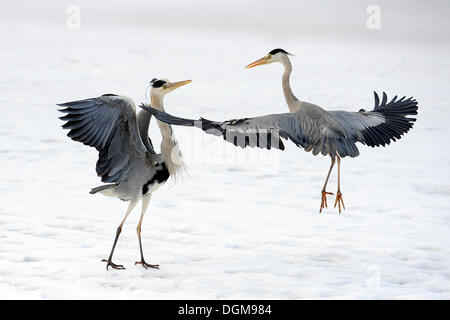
(332, 133)
(127, 160)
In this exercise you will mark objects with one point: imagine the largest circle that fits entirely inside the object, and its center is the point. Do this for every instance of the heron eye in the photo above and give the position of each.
(269, 56)
(164, 86)
(158, 83)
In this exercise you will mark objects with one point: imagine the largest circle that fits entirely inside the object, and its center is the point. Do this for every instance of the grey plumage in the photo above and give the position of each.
(333, 133)
(109, 124)
(127, 159)
(319, 131)
(126, 155)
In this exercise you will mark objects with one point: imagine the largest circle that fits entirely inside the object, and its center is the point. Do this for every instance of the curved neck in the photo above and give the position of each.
(291, 99)
(156, 102)
(169, 144)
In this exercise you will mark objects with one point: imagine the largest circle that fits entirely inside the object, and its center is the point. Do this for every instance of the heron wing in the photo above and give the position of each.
(341, 130)
(107, 123)
(143, 121)
(263, 132)
(385, 123)
(311, 127)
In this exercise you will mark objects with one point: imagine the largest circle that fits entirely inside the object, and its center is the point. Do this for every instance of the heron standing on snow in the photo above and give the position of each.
(127, 160)
(332, 133)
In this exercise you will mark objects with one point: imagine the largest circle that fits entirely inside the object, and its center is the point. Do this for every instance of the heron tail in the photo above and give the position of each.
(102, 188)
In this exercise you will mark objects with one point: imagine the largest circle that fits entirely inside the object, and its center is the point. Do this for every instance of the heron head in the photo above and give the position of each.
(162, 87)
(276, 55)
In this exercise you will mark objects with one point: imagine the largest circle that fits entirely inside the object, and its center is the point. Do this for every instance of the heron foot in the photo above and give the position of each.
(146, 265)
(109, 263)
(323, 204)
(339, 201)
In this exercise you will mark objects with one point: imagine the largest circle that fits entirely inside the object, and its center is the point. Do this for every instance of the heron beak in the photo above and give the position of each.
(257, 63)
(177, 84)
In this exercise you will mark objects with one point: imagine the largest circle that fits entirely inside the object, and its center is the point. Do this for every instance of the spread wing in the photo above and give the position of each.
(262, 132)
(107, 123)
(306, 129)
(312, 128)
(385, 123)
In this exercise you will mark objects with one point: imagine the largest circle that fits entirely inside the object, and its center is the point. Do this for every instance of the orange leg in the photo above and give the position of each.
(323, 204)
(339, 200)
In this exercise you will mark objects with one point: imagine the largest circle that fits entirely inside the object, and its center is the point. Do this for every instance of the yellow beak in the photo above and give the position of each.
(257, 63)
(177, 84)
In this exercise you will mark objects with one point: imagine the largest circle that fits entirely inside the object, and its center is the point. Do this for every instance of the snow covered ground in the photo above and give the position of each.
(242, 223)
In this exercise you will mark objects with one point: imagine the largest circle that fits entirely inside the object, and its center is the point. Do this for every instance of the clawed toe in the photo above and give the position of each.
(109, 263)
(146, 265)
(339, 201)
(323, 203)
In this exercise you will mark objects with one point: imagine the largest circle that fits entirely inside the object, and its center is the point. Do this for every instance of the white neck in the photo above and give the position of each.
(169, 145)
(291, 99)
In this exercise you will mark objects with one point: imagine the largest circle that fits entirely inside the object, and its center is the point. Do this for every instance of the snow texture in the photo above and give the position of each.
(242, 223)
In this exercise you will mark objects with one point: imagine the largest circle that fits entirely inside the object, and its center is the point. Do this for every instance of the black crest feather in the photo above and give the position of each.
(274, 51)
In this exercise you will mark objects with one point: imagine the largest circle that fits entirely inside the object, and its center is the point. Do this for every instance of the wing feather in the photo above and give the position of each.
(107, 123)
(312, 128)
(385, 123)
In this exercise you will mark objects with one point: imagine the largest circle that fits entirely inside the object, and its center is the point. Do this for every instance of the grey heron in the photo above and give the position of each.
(333, 133)
(127, 160)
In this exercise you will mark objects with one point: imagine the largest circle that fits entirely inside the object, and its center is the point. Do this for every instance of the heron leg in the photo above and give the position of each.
(339, 200)
(119, 230)
(145, 202)
(323, 204)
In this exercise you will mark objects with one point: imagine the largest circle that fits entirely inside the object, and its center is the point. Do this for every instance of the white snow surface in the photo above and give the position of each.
(242, 223)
